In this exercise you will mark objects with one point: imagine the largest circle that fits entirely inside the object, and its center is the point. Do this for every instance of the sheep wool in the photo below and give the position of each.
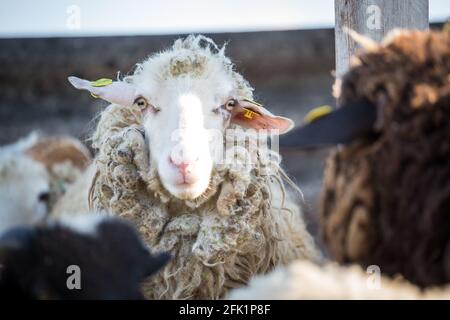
(244, 224)
(386, 197)
(306, 280)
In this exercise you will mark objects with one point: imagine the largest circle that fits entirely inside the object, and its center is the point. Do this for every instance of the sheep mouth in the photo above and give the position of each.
(188, 190)
(185, 184)
(213, 184)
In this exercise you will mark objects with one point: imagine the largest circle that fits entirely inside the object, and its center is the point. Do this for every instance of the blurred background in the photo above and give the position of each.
(285, 48)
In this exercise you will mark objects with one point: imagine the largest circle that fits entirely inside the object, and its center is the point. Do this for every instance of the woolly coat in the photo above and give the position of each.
(386, 198)
(244, 224)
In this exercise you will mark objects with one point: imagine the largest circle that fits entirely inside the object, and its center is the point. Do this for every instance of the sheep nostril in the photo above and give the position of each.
(184, 168)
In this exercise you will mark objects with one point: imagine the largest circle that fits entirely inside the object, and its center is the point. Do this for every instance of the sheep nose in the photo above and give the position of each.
(183, 167)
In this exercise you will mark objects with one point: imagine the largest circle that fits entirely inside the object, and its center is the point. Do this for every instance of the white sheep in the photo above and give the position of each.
(160, 163)
(34, 173)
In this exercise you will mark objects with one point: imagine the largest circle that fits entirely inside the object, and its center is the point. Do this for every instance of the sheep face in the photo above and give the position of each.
(182, 117)
(185, 118)
(186, 123)
(188, 97)
(181, 134)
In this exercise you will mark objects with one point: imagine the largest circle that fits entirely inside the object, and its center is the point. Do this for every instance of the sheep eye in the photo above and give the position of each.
(230, 104)
(141, 103)
(44, 197)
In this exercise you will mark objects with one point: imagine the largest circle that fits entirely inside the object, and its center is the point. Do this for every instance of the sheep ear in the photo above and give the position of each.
(156, 262)
(117, 92)
(250, 114)
(52, 150)
(340, 126)
(364, 41)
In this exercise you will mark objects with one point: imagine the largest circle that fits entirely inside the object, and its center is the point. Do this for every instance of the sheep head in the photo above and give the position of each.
(188, 96)
(34, 173)
(24, 189)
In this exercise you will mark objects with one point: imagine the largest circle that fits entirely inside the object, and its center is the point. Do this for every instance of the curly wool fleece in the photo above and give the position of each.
(244, 224)
(386, 199)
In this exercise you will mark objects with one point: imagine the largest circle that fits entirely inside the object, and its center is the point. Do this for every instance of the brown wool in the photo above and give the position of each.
(386, 199)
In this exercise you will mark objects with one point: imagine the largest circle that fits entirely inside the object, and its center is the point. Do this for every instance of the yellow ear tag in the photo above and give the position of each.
(101, 82)
(249, 114)
(317, 113)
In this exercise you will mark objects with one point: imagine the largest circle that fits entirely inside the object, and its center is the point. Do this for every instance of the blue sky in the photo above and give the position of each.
(24, 18)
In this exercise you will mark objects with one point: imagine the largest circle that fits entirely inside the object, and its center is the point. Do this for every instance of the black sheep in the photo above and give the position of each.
(41, 262)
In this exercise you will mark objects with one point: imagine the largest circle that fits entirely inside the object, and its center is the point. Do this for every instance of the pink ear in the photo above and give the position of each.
(118, 92)
(252, 115)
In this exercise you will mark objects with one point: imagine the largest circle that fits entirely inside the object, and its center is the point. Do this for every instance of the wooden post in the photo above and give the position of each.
(373, 18)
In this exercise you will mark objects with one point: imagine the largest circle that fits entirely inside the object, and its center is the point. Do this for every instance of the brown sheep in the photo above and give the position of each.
(386, 196)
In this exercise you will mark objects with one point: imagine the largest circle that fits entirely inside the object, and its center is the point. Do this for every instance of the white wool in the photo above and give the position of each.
(83, 223)
(195, 55)
(306, 280)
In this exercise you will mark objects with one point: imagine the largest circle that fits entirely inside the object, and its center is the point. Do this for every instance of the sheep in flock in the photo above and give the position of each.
(386, 196)
(81, 257)
(34, 173)
(157, 165)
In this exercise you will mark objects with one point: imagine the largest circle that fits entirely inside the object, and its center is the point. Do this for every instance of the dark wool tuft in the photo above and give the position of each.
(386, 198)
